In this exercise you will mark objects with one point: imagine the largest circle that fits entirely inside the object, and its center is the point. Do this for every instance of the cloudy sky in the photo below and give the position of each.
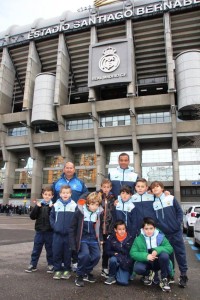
(22, 12)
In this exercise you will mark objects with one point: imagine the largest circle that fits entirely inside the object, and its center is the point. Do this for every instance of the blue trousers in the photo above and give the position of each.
(42, 239)
(88, 257)
(162, 263)
(177, 242)
(121, 275)
(61, 253)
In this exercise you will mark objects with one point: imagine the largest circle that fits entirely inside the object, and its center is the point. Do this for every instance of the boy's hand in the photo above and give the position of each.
(167, 193)
(116, 202)
(151, 257)
(38, 203)
(154, 253)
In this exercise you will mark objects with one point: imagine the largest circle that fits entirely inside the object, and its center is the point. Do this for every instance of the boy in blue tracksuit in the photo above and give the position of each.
(169, 217)
(125, 210)
(143, 202)
(44, 233)
(60, 219)
(85, 235)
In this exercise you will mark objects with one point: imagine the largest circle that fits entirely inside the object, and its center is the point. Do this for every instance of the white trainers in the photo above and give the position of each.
(164, 284)
(105, 273)
(74, 267)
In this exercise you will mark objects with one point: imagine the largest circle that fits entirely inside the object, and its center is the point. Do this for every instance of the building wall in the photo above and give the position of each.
(154, 40)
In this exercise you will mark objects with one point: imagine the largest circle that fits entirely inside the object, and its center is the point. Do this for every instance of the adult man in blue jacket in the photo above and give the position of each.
(69, 177)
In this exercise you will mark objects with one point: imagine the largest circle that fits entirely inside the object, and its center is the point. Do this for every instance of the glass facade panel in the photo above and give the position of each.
(153, 118)
(55, 161)
(79, 124)
(119, 120)
(88, 176)
(85, 159)
(17, 131)
(189, 154)
(49, 176)
(161, 173)
(189, 172)
(23, 177)
(156, 156)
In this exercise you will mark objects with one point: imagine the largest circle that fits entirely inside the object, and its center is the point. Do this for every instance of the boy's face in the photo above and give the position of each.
(148, 229)
(106, 188)
(121, 229)
(93, 206)
(124, 162)
(157, 190)
(65, 194)
(141, 188)
(125, 196)
(47, 196)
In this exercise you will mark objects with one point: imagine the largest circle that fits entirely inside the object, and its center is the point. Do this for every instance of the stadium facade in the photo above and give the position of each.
(85, 86)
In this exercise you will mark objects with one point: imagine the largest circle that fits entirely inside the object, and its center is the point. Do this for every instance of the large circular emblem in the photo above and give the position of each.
(110, 61)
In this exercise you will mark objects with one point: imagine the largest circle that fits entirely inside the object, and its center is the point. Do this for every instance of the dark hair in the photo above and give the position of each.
(148, 221)
(119, 222)
(157, 183)
(124, 154)
(47, 189)
(127, 189)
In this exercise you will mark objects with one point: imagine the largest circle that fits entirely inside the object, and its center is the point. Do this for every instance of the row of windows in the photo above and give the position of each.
(105, 121)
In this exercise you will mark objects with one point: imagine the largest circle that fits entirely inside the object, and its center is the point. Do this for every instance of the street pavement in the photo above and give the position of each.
(16, 242)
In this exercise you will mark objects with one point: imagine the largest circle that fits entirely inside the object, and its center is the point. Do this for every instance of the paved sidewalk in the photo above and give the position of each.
(16, 242)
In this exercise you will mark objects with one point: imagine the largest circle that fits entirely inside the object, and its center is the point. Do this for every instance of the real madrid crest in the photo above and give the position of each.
(110, 61)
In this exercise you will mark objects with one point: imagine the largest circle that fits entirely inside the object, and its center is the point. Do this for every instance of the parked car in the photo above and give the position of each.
(197, 231)
(189, 219)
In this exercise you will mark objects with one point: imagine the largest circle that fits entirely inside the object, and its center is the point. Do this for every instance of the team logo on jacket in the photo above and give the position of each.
(110, 61)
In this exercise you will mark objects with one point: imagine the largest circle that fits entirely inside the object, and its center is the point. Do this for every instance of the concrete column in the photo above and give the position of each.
(131, 88)
(93, 40)
(7, 79)
(37, 176)
(175, 160)
(169, 53)
(135, 144)
(11, 165)
(61, 132)
(33, 68)
(62, 73)
(94, 117)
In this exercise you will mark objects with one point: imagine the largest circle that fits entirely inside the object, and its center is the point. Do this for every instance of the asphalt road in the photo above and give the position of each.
(16, 242)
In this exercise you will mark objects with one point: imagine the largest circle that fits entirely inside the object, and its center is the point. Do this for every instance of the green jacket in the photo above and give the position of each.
(139, 250)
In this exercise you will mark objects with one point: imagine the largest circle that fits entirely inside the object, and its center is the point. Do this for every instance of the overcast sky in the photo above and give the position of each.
(23, 12)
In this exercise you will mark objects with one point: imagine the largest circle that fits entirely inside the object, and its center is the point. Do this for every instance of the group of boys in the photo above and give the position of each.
(125, 224)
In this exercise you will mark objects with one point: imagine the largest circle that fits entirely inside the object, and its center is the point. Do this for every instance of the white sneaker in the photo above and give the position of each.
(105, 273)
(74, 267)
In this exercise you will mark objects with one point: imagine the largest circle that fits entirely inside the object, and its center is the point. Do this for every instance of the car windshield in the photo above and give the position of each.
(197, 209)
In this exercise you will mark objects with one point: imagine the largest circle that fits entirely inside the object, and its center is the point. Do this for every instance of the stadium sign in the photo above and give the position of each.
(95, 19)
